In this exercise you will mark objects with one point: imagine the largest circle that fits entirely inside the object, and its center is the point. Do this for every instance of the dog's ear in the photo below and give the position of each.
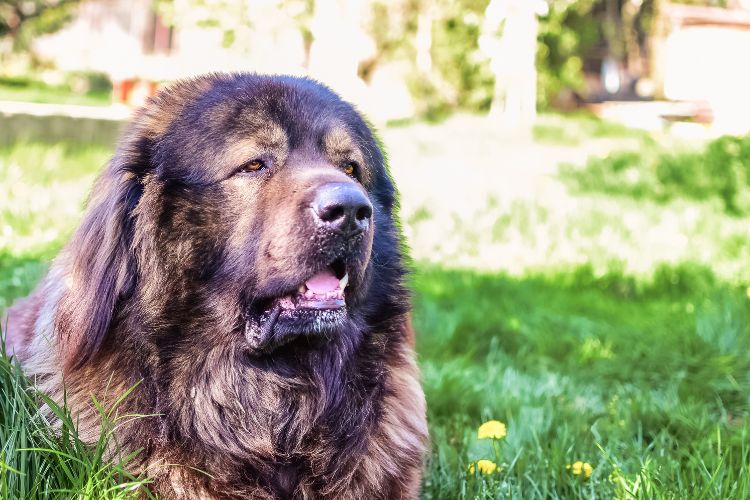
(98, 263)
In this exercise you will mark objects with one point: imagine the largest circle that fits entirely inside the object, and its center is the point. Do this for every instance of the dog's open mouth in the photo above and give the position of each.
(317, 307)
(324, 290)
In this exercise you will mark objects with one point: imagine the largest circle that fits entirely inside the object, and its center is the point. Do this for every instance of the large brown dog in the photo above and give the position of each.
(239, 260)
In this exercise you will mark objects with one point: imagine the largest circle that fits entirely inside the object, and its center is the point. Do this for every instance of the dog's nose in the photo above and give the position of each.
(342, 206)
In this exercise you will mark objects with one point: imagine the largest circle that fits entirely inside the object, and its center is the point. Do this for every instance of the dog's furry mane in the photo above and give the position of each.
(144, 294)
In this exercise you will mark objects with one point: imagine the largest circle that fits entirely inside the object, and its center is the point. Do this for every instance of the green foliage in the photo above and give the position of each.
(457, 57)
(461, 76)
(233, 19)
(721, 171)
(464, 79)
(82, 82)
(25, 19)
(727, 161)
(565, 35)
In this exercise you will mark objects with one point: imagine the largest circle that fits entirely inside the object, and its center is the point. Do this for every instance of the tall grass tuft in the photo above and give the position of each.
(37, 462)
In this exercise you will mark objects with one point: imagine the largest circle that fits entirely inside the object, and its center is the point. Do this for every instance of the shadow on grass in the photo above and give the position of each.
(612, 327)
(620, 372)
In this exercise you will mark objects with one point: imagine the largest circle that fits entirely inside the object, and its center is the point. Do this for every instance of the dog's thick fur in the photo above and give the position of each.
(175, 249)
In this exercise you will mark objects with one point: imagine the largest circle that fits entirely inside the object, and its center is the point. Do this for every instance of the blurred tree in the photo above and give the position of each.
(238, 21)
(438, 40)
(512, 52)
(566, 35)
(393, 24)
(329, 59)
(21, 20)
(461, 75)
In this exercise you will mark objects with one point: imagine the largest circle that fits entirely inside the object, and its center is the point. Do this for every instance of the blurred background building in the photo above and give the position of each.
(644, 62)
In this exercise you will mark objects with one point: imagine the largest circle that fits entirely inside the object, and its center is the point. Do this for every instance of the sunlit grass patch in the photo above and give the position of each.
(42, 192)
(604, 232)
(572, 129)
(21, 89)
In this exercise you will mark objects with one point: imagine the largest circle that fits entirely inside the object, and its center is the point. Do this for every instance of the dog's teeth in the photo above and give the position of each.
(344, 281)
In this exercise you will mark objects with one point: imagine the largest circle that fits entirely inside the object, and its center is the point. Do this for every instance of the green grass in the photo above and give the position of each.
(37, 462)
(647, 381)
(46, 96)
(608, 328)
(41, 197)
(54, 96)
(575, 128)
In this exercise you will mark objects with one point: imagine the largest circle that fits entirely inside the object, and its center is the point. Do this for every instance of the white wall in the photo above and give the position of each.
(711, 64)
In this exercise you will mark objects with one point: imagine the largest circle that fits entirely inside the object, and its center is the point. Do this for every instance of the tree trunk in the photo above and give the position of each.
(634, 60)
(657, 41)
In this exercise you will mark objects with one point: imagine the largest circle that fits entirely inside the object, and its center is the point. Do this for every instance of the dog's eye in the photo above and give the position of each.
(252, 166)
(350, 168)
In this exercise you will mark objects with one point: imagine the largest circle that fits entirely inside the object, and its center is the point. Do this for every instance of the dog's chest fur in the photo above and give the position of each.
(324, 433)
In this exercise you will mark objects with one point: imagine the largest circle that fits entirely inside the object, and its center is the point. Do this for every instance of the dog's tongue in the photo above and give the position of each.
(324, 281)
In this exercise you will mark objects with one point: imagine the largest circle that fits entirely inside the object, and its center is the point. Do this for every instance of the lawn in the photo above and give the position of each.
(600, 311)
(29, 90)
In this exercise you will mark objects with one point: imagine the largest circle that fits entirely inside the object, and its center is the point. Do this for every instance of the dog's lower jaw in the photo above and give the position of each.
(277, 327)
(259, 330)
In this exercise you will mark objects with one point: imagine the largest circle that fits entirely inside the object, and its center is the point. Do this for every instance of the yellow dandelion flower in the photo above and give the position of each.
(484, 466)
(494, 429)
(581, 468)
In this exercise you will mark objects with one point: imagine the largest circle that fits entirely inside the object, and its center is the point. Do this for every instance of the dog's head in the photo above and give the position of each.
(248, 208)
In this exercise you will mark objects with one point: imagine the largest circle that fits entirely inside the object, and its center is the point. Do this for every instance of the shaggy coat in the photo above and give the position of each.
(175, 283)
